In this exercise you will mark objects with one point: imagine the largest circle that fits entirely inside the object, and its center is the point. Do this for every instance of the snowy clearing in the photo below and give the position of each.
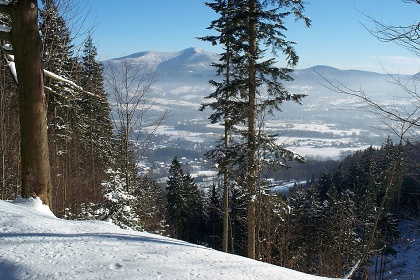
(34, 244)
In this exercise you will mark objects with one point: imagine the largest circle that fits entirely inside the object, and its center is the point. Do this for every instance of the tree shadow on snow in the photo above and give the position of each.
(8, 270)
(115, 236)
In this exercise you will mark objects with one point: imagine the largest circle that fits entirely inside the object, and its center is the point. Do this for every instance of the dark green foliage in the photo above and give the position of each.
(250, 87)
(94, 118)
(79, 126)
(238, 220)
(329, 225)
(184, 205)
(150, 205)
(214, 219)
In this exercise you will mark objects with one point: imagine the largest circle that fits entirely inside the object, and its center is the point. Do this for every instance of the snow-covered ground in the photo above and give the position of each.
(406, 264)
(34, 244)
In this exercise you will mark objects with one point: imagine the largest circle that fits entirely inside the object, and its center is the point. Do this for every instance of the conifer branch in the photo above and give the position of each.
(5, 32)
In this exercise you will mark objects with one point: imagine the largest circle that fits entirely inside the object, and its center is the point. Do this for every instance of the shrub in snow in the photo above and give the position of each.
(119, 206)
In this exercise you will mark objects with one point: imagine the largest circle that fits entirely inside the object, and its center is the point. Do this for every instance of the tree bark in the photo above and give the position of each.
(225, 241)
(251, 176)
(26, 41)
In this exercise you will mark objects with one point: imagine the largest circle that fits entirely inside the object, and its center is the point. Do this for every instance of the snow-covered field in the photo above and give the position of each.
(34, 244)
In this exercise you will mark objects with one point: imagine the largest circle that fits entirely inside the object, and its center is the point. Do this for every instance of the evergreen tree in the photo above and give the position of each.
(224, 106)
(80, 129)
(57, 58)
(184, 205)
(238, 218)
(119, 206)
(214, 219)
(95, 107)
(252, 84)
(324, 186)
(93, 119)
(150, 205)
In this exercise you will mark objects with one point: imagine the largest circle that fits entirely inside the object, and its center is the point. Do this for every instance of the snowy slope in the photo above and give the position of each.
(36, 245)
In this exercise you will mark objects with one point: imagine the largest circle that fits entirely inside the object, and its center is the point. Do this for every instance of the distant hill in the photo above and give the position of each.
(182, 85)
(191, 62)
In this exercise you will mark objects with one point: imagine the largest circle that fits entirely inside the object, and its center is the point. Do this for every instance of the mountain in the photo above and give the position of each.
(336, 122)
(34, 244)
(191, 62)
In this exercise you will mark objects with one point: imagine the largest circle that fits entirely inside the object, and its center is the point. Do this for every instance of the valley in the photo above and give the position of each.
(327, 125)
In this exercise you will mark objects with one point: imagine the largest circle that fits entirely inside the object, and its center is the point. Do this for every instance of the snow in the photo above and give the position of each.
(11, 64)
(4, 28)
(284, 188)
(68, 82)
(62, 79)
(34, 244)
(407, 263)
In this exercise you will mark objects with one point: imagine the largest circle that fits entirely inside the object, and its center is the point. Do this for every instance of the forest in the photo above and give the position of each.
(342, 222)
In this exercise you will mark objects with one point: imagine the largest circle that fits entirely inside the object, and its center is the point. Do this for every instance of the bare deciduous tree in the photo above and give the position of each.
(131, 87)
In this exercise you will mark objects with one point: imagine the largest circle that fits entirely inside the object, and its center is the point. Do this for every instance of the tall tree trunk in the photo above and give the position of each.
(252, 167)
(26, 41)
(225, 242)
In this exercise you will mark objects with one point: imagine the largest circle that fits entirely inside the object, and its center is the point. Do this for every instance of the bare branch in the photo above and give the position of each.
(411, 119)
(406, 36)
(131, 86)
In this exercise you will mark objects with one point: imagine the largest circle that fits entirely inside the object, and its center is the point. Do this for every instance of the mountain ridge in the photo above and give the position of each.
(204, 58)
(325, 121)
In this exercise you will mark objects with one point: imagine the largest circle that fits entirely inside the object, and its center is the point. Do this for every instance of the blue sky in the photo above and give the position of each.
(336, 38)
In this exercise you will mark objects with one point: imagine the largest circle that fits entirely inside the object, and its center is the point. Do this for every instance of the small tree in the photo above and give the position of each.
(119, 206)
(151, 205)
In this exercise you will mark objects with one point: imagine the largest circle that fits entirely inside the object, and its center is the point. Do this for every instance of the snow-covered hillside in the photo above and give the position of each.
(326, 125)
(34, 244)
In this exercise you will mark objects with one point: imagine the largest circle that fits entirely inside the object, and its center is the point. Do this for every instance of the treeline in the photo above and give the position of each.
(325, 227)
(350, 213)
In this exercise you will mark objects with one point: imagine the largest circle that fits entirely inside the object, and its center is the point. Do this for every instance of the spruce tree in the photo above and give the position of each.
(93, 118)
(224, 104)
(119, 206)
(151, 205)
(175, 201)
(254, 87)
(184, 205)
(214, 218)
(80, 129)
(57, 57)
